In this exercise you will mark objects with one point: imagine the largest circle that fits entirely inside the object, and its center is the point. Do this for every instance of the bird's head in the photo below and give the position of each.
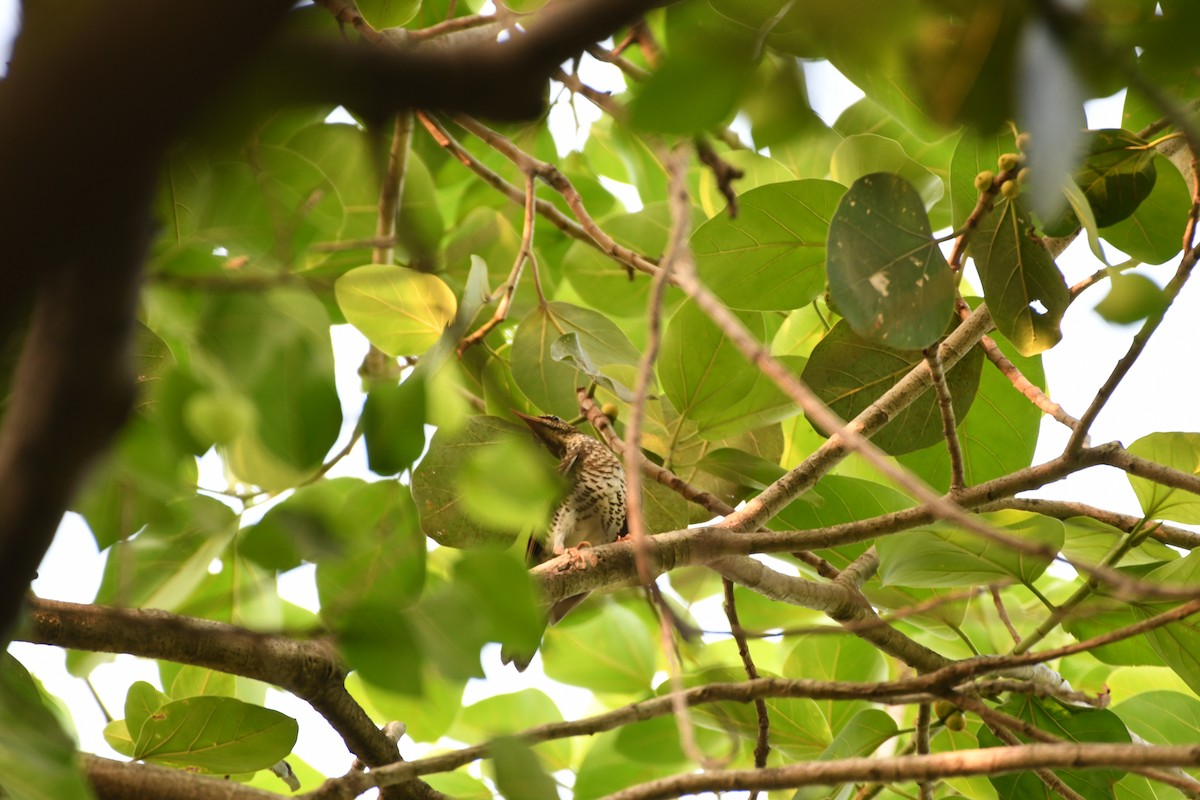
(551, 431)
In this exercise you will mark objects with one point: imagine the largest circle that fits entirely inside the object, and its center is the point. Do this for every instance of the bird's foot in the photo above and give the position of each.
(577, 558)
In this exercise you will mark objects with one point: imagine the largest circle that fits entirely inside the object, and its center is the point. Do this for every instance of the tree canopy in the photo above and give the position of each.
(816, 345)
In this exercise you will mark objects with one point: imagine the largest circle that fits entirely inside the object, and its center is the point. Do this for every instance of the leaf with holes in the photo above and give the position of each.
(886, 273)
(1024, 289)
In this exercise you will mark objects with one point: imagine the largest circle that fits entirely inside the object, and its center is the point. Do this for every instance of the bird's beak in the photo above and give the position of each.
(540, 429)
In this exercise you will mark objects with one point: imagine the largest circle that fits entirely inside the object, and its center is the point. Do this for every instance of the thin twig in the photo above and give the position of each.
(924, 717)
(762, 744)
(970, 702)
(1060, 509)
(1140, 340)
(336, 457)
(1002, 612)
(456, 24)
(391, 188)
(524, 253)
(347, 13)
(1065, 610)
(677, 250)
(949, 426)
(1024, 385)
(723, 172)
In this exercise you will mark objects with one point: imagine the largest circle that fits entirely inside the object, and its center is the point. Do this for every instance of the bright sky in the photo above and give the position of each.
(1159, 394)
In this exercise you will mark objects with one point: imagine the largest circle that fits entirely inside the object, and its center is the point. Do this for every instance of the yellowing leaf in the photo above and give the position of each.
(401, 311)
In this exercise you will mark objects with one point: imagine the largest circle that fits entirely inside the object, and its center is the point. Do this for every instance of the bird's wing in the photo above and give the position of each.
(568, 462)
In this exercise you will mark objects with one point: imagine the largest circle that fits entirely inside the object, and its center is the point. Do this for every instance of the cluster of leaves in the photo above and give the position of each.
(831, 260)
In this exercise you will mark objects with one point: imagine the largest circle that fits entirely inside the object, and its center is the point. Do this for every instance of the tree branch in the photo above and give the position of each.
(987, 761)
(310, 670)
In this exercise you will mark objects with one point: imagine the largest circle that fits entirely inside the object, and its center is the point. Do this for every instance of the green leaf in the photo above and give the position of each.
(380, 552)
(459, 785)
(382, 644)
(275, 349)
(388, 13)
(609, 652)
(428, 714)
(721, 392)
(393, 422)
(512, 713)
(401, 311)
(849, 374)
(1161, 717)
(1179, 451)
(163, 565)
(865, 154)
(509, 485)
(1117, 174)
(757, 170)
(138, 483)
(504, 597)
(193, 681)
(836, 658)
(215, 734)
(745, 469)
(605, 769)
(519, 775)
(976, 787)
(862, 735)
(551, 384)
(468, 458)
(694, 89)
(1081, 213)
(1091, 540)
(606, 283)
(38, 760)
(974, 154)
(944, 557)
(798, 728)
(677, 442)
(1151, 233)
(998, 435)
(1024, 289)
(1135, 787)
(1071, 725)
(1130, 299)
(654, 741)
(141, 701)
(886, 274)
(963, 67)
(266, 203)
(772, 256)
(116, 734)
(568, 349)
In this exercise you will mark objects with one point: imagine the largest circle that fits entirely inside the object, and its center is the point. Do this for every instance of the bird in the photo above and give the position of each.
(591, 513)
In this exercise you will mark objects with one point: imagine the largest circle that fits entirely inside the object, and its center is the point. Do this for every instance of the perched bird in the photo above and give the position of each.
(593, 510)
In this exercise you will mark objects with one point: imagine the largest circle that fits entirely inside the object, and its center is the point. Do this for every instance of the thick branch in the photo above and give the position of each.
(987, 761)
(310, 670)
(500, 80)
